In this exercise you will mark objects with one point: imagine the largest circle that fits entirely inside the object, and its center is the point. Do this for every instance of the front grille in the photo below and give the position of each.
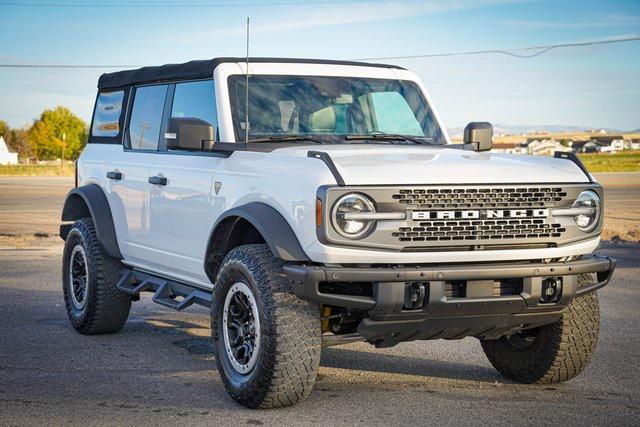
(479, 198)
(496, 230)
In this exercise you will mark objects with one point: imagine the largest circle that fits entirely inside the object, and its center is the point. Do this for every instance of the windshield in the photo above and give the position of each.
(331, 108)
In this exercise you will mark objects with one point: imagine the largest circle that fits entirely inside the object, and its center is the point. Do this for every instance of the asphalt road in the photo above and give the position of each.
(31, 205)
(159, 369)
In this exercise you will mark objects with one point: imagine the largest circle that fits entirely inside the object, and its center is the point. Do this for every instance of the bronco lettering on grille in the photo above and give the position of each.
(480, 214)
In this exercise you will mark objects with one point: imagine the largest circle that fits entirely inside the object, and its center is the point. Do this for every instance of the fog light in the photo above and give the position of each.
(551, 290)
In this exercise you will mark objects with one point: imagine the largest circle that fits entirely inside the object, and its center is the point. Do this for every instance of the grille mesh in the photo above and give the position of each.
(469, 198)
(446, 230)
(507, 229)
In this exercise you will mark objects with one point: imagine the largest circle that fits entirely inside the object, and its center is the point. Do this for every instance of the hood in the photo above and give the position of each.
(384, 165)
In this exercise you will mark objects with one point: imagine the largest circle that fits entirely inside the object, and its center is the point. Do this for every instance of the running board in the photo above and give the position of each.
(170, 293)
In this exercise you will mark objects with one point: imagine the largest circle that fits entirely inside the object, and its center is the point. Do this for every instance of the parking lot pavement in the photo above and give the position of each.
(159, 369)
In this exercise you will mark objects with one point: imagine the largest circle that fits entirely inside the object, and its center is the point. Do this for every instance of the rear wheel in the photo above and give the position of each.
(551, 353)
(89, 276)
(266, 340)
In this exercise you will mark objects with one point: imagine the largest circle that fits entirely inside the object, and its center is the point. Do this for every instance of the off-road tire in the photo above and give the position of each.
(287, 363)
(106, 308)
(559, 352)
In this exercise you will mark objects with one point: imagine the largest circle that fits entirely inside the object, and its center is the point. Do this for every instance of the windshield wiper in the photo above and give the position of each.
(389, 137)
(287, 138)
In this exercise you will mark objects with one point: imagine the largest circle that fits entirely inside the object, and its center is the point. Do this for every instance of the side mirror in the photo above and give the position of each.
(479, 135)
(189, 133)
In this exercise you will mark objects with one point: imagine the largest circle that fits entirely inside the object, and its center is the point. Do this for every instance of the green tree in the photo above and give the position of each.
(56, 133)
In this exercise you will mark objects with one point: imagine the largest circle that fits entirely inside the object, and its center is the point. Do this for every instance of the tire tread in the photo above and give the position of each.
(561, 350)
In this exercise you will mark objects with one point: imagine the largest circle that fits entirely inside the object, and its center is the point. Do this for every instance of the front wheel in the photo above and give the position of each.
(551, 353)
(266, 340)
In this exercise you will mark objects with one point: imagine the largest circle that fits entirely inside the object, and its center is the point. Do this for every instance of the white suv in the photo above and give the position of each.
(313, 203)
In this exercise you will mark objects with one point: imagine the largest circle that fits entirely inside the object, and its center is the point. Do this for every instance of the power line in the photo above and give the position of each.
(542, 49)
(65, 66)
(178, 5)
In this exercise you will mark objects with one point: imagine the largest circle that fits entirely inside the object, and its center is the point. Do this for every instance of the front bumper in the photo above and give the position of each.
(476, 314)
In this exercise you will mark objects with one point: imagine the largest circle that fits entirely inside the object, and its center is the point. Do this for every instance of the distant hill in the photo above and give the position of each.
(507, 129)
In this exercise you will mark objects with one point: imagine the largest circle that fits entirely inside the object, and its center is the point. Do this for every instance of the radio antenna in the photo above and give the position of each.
(246, 90)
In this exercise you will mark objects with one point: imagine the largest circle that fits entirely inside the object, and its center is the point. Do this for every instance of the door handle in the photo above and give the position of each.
(117, 176)
(157, 180)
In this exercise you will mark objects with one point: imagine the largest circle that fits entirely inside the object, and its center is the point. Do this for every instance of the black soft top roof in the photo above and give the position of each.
(201, 69)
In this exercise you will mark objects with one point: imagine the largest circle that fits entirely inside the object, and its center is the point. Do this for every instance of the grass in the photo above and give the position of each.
(37, 170)
(618, 162)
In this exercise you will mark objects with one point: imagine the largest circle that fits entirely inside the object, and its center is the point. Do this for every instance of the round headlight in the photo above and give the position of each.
(589, 202)
(352, 204)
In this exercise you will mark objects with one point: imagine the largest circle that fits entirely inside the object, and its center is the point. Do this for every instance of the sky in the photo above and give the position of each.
(592, 87)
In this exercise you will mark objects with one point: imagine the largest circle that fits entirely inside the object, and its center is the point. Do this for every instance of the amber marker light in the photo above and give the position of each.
(318, 213)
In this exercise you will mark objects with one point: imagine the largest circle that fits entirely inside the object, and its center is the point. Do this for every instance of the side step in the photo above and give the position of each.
(169, 293)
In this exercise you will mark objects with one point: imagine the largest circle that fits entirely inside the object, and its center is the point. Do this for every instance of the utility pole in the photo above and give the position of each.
(64, 146)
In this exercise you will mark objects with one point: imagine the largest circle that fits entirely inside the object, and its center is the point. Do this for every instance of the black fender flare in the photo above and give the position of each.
(275, 230)
(90, 200)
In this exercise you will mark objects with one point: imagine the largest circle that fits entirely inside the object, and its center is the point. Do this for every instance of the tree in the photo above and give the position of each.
(16, 140)
(57, 133)
(4, 129)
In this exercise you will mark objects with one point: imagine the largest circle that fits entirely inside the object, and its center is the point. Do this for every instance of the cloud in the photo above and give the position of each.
(307, 17)
(605, 21)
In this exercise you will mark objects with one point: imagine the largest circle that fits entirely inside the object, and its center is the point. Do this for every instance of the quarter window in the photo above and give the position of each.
(146, 117)
(195, 100)
(106, 117)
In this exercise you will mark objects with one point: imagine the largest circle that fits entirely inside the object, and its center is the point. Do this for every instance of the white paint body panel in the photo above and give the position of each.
(409, 164)
(167, 228)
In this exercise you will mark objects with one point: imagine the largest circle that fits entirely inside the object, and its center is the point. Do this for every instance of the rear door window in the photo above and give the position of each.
(146, 117)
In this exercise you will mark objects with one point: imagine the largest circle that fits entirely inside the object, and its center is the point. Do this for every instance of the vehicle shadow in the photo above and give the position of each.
(345, 358)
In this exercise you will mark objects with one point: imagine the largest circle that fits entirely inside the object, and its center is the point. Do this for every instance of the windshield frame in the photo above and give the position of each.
(439, 138)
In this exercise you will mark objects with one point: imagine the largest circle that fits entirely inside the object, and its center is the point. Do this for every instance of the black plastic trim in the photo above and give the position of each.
(257, 147)
(90, 199)
(275, 230)
(575, 159)
(307, 278)
(326, 158)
